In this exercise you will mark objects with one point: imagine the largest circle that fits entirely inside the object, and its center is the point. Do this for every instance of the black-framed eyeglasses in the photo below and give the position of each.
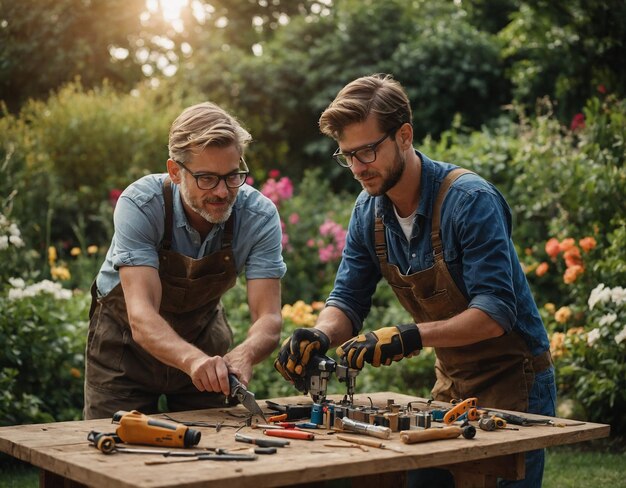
(366, 154)
(208, 181)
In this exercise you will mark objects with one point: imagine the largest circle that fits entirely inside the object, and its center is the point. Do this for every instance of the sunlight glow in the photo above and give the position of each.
(170, 8)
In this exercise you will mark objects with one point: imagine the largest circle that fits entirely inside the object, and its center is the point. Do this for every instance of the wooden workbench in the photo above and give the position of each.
(66, 458)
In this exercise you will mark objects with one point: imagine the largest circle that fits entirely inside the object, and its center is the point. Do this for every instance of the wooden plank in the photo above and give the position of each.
(62, 448)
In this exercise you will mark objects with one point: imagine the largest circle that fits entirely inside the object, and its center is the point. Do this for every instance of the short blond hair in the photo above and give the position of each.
(377, 94)
(202, 125)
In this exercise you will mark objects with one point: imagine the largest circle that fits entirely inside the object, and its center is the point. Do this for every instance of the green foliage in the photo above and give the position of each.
(42, 339)
(73, 150)
(44, 43)
(566, 50)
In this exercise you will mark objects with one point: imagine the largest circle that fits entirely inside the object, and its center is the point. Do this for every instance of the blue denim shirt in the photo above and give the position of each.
(140, 222)
(478, 250)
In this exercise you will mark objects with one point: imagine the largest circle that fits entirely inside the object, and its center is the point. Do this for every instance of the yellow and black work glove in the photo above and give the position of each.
(381, 346)
(297, 350)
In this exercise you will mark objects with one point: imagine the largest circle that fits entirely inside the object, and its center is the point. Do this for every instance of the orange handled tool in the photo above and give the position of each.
(290, 434)
(459, 409)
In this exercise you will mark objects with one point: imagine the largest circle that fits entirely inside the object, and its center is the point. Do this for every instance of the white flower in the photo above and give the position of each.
(598, 294)
(621, 336)
(16, 241)
(593, 336)
(17, 282)
(14, 230)
(45, 286)
(618, 295)
(607, 319)
(4, 242)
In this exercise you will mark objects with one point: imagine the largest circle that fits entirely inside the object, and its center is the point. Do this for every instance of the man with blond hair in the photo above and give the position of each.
(441, 237)
(157, 326)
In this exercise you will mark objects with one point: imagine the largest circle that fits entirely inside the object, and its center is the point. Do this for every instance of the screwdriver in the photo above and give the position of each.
(261, 442)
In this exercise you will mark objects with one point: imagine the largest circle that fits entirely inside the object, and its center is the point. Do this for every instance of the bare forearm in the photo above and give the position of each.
(157, 337)
(471, 326)
(335, 324)
(262, 338)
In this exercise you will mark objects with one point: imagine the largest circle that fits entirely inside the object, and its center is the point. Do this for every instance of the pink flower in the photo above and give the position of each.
(601, 88)
(578, 122)
(294, 218)
(114, 196)
(278, 190)
(249, 180)
(310, 243)
(274, 173)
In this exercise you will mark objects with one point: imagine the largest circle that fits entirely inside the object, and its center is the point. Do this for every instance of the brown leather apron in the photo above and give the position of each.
(498, 371)
(118, 367)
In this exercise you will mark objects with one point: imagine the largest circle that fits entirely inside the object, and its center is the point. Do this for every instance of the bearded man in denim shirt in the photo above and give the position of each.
(441, 237)
(157, 326)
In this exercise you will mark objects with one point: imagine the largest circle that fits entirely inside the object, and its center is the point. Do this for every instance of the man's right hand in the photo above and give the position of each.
(210, 373)
(297, 350)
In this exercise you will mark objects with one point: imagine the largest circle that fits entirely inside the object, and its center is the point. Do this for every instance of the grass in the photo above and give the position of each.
(566, 467)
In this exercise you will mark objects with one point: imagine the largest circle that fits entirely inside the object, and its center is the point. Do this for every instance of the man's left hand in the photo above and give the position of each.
(383, 346)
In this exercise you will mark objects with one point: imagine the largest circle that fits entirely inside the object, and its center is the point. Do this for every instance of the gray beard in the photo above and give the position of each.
(184, 192)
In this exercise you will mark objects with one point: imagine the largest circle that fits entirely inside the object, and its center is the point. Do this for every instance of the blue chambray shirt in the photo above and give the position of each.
(139, 227)
(478, 250)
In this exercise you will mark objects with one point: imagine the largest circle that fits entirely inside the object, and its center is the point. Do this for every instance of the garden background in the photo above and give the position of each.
(527, 93)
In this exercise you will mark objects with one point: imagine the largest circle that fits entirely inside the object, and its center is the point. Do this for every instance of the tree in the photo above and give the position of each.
(45, 43)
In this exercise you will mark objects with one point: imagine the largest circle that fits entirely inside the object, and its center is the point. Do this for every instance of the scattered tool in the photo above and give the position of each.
(526, 421)
(459, 409)
(337, 444)
(290, 434)
(294, 412)
(365, 428)
(196, 423)
(367, 442)
(414, 436)
(261, 442)
(245, 396)
(210, 457)
(137, 428)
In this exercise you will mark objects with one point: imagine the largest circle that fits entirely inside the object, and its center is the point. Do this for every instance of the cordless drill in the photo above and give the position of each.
(137, 428)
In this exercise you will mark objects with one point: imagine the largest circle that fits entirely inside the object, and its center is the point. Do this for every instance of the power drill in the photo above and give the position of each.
(137, 428)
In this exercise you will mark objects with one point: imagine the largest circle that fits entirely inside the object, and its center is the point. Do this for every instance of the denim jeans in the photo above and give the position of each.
(542, 401)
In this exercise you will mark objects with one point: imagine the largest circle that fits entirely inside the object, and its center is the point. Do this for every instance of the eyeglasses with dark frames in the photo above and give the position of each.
(366, 154)
(208, 181)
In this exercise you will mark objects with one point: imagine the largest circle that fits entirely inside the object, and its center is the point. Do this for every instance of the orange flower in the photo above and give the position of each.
(567, 244)
(553, 248)
(587, 243)
(550, 308)
(75, 372)
(562, 315)
(572, 273)
(572, 257)
(542, 269)
(557, 344)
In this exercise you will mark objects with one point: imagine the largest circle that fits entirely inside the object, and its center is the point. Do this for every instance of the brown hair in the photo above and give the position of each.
(202, 125)
(377, 94)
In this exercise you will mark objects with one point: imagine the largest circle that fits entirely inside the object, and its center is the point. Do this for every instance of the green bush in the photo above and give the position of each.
(43, 330)
(76, 147)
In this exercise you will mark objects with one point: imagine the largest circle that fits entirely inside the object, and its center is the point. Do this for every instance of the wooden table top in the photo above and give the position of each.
(62, 448)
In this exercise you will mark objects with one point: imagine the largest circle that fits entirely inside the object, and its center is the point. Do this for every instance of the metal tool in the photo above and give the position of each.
(348, 376)
(364, 428)
(261, 442)
(318, 371)
(526, 421)
(245, 396)
(197, 423)
(367, 442)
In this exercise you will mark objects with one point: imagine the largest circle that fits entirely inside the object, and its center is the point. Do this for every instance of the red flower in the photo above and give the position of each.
(578, 122)
(602, 88)
(274, 173)
(114, 196)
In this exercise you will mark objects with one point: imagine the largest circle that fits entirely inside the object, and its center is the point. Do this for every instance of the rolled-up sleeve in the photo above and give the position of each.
(357, 276)
(137, 234)
(482, 223)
